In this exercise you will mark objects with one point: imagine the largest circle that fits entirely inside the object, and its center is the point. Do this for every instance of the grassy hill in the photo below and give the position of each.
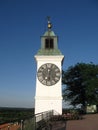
(13, 114)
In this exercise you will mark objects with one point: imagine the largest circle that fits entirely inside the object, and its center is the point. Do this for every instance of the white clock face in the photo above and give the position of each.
(48, 74)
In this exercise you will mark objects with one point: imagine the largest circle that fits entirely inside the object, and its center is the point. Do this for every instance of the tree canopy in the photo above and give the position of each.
(81, 84)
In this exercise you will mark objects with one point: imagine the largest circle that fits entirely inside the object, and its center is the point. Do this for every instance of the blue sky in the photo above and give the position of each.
(22, 22)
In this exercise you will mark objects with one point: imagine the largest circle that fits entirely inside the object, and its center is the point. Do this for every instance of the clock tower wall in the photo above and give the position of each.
(49, 95)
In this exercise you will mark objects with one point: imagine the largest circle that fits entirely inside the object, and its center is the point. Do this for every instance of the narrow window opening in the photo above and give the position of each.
(49, 44)
(46, 43)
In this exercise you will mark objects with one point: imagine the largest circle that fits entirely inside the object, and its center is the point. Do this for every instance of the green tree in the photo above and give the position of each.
(81, 84)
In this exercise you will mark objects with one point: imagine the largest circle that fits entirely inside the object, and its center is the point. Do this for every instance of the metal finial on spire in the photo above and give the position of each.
(49, 23)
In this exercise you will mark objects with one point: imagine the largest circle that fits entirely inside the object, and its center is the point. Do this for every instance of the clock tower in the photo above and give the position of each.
(49, 59)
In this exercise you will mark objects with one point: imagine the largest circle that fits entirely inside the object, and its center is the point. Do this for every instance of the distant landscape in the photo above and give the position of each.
(15, 114)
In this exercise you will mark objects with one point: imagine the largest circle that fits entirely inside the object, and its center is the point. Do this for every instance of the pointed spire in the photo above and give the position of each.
(49, 23)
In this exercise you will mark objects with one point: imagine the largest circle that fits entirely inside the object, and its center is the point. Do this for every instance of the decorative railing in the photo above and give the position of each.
(34, 122)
